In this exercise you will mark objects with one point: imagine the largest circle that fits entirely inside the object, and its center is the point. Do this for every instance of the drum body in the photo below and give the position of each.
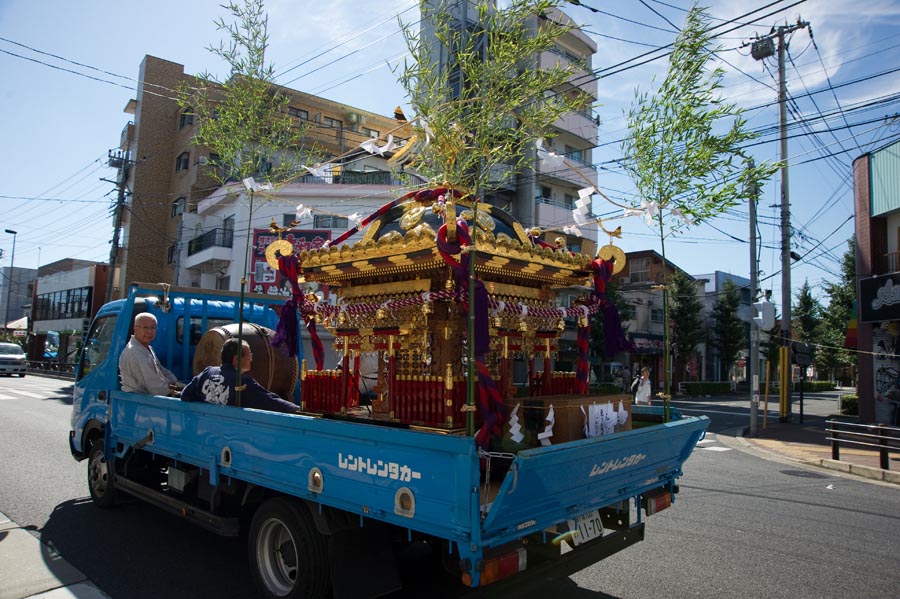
(274, 370)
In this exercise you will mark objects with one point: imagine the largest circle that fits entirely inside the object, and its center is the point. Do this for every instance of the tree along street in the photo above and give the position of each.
(740, 525)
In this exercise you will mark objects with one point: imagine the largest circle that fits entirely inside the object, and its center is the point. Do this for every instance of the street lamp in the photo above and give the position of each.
(12, 261)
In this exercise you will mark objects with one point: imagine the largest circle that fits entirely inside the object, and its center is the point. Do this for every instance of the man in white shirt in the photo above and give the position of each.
(139, 368)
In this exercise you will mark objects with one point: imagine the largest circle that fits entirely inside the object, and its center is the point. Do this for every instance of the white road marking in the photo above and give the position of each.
(2, 397)
(716, 448)
(28, 394)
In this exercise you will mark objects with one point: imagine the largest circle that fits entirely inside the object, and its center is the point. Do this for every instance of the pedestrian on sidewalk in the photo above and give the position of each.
(641, 387)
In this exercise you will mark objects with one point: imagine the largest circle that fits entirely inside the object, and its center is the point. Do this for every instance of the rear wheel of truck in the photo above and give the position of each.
(100, 477)
(288, 557)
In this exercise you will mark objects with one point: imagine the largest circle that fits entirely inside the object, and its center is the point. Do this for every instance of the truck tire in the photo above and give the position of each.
(100, 478)
(288, 556)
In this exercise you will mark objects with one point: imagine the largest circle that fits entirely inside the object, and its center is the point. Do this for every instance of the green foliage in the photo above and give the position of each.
(243, 119)
(673, 149)
(814, 386)
(684, 313)
(680, 150)
(842, 293)
(490, 104)
(807, 313)
(850, 404)
(730, 331)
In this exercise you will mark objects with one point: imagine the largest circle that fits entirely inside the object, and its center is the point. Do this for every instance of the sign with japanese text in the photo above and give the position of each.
(264, 278)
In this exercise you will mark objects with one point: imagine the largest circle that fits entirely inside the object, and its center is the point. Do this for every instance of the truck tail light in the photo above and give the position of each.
(656, 501)
(500, 567)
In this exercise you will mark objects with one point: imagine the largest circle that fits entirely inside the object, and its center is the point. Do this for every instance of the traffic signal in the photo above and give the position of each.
(765, 318)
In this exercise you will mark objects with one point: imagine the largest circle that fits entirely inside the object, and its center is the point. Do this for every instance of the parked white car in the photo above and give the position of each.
(12, 359)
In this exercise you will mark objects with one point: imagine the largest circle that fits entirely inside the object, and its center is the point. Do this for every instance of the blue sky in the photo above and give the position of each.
(60, 118)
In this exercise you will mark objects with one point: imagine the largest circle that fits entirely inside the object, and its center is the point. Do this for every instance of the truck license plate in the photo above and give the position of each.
(586, 527)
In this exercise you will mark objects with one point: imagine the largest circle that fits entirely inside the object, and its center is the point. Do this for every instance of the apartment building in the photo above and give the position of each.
(164, 237)
(709, 365)
(640, 284)
(545, 194)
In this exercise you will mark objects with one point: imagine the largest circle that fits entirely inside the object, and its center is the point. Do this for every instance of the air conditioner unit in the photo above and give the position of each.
(624, 280)
(352, 117)
(203, 160)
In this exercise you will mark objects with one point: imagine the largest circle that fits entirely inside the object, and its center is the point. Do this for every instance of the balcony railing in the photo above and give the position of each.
(214, 238)
(354, 178)
(893, 261)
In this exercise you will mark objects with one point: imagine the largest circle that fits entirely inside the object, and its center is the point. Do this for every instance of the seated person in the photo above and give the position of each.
(139, 368)
(216, 384)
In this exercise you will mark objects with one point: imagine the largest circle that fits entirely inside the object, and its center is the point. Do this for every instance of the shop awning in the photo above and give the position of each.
(18, 325)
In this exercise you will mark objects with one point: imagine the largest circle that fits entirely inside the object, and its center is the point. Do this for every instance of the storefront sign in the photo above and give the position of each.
(265, 279)
(879, 298)
(647, 344)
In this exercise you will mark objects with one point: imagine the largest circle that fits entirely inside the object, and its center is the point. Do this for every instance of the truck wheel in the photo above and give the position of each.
(100, 478)
(287, 554)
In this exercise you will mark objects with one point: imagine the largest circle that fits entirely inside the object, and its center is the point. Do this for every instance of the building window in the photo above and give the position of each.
(70, 303)
(546, 192)
(330, 122)
(370, 133)
(228, 230)
(170, 255)
(568, 200)
(575, 154)
(640, 269)
(182, 163)
(656, 315)
(299, 113)
(327, 221)
(223, 283)
(186, 118)
(213, 160)
(178, 207)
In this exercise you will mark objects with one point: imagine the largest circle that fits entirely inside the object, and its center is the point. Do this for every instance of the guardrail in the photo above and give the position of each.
(881, 437)
(682, 386)
(60, 369)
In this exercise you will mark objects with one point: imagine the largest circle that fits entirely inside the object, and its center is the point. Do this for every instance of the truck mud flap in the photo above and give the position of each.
(573, 478)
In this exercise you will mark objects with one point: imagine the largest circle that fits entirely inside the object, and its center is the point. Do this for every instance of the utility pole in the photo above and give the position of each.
(760, 49)
(120, 161)
(753, 370)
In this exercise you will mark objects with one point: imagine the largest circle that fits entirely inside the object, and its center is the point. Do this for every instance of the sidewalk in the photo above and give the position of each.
(808, 443)
(33, 570)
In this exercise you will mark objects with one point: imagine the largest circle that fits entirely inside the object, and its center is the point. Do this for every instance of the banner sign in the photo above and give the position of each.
(645, 343)
(879, 298)
(264, 278)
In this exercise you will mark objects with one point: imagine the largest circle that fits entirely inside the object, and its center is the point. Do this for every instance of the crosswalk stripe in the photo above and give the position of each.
(28, 394)
(2, 397)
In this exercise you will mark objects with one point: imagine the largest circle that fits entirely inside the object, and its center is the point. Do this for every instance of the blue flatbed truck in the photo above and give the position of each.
(305, 489)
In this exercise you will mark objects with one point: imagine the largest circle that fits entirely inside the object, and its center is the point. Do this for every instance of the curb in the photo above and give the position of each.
(887, 476)
(868, 472)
